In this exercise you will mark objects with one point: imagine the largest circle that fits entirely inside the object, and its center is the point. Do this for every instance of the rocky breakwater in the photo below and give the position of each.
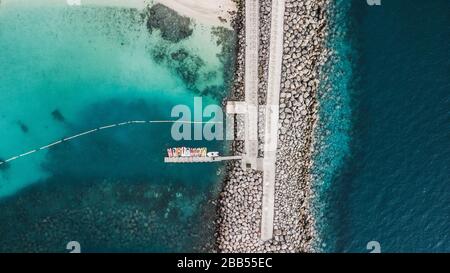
(239, 208)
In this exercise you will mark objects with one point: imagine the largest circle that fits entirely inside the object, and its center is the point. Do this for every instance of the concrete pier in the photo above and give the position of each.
(251, 82)
(200, 159)
(272, 118)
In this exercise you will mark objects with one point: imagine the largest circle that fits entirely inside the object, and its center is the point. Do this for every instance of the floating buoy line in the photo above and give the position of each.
(48, 146)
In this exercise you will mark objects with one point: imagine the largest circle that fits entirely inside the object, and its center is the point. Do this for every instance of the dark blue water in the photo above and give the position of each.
(394, 186)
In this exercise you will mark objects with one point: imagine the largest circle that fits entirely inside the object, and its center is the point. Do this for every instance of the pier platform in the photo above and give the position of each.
(200, 159)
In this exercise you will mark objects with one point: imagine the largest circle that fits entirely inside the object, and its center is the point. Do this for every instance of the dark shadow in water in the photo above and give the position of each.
(58, 116)
(23, 127)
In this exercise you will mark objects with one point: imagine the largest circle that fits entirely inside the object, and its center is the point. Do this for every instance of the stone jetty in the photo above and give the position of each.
(240, 202)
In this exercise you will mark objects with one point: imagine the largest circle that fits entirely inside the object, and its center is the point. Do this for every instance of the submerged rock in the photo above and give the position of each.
(189, 70)
(173, 26)
(214, 91)
(135, 223)
(179, 55)
(22, 126)
(56, 114)
(159, 54)
(227, 40)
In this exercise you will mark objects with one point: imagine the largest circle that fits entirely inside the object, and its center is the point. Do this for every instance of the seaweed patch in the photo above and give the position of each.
(23, 126)
(173, 26)
(56, 114)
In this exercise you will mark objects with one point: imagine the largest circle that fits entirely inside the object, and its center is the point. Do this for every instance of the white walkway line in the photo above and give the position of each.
(252, 30)
(272, 118)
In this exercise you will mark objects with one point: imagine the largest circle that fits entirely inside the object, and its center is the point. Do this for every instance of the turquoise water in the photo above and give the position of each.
(65, 70)
(387, 178)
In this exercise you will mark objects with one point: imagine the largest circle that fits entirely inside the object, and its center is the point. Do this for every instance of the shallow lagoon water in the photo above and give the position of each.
(65, 70)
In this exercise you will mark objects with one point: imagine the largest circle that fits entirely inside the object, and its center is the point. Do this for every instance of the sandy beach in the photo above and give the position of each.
(215, 13)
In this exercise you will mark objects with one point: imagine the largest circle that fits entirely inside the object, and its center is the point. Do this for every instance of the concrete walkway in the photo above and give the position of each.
(271, 118)
(251, 81)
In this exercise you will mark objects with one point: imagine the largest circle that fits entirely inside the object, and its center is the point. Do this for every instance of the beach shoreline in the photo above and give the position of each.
(214, 13)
